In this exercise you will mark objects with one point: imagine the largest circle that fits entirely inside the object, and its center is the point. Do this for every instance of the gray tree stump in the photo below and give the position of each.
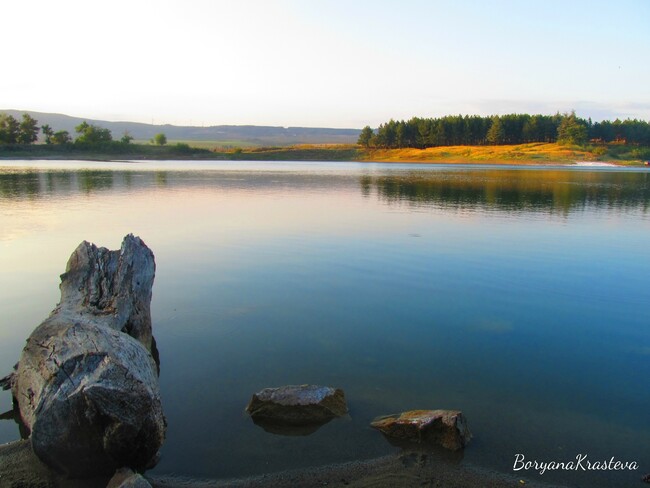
(86, 385)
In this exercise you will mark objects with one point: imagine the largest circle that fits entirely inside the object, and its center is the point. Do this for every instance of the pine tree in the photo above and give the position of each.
(496, 134)
(366, 137)
(572, 130)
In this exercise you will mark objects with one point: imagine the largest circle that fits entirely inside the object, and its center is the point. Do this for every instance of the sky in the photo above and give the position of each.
(325, 63)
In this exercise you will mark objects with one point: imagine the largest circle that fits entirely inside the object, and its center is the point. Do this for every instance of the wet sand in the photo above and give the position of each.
(19, 467)
(405, 470)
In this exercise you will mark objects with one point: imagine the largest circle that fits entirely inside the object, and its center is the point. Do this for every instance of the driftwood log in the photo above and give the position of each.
(86, 385)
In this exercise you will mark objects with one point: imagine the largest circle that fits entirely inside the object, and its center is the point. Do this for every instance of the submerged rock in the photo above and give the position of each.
(288, 430)
(446, 428)
(297, 405)
(126, 478)
(86, 385)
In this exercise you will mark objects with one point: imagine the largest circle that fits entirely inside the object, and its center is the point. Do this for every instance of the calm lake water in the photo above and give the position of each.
(518, 295)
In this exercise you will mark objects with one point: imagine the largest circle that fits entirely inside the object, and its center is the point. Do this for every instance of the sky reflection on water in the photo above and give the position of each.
(516, 295)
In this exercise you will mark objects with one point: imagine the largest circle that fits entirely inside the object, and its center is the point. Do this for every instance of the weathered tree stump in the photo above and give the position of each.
(86, 385)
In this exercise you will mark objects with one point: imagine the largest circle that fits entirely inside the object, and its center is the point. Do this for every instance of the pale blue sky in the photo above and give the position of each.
(325, 63)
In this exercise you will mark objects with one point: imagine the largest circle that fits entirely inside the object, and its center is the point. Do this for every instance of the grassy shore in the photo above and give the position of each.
(333, 152)
(522, 154)
(104, 152)
(532, 153)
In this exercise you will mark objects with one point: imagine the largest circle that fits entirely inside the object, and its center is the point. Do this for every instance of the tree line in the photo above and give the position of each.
(13, 131)
(25, 131)
(475, 130)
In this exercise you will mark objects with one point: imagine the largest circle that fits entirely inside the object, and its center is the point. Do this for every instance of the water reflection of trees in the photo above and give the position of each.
(47, 183)
(21, 185)
(499, 189)
(533, 190)
(93, 180)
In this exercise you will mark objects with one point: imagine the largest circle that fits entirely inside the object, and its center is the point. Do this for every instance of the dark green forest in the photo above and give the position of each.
(475, 130)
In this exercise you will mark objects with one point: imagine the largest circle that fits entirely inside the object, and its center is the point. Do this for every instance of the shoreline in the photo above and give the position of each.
(531, 154)
(20, 467)
(454, 162)
(407, 469)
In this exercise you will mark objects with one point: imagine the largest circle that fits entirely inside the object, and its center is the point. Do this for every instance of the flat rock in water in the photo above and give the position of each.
(297, 405)
(446, 428)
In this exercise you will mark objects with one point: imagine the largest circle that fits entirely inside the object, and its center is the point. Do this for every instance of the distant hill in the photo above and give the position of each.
(225, 134)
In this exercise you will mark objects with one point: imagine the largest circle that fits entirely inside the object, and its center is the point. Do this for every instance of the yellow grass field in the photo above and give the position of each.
(533, 153)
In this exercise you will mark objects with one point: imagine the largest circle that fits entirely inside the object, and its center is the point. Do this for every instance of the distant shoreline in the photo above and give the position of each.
(522, 154)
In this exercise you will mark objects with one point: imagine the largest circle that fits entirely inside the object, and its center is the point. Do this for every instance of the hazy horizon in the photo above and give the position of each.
(333, 64)
(162, 124)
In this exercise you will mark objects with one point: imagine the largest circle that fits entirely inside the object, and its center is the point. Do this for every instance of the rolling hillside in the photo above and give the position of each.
(226, 134)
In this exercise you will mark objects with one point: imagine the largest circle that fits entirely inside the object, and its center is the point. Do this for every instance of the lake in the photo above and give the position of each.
(518, 295)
